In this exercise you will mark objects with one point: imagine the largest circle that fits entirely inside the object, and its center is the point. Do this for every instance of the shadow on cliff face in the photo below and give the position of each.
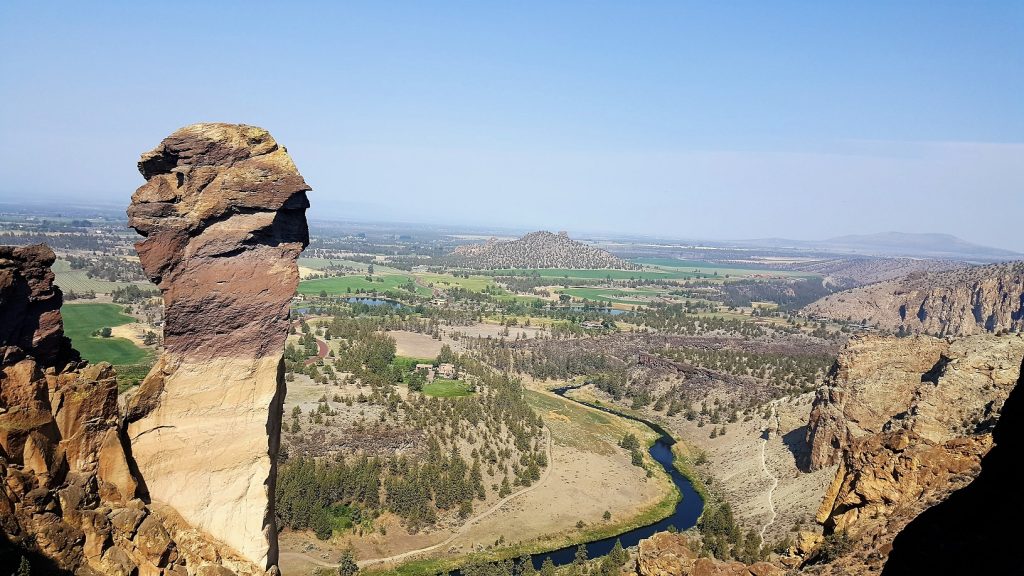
(11, 555)
(977, 529)
(796, 441)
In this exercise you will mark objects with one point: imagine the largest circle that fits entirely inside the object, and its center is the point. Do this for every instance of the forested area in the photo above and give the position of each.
(468, 448)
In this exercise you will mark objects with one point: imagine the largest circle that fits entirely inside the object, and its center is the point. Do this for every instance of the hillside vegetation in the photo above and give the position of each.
(536, 250)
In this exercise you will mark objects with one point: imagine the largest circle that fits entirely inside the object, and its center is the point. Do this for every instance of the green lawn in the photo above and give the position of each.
(444, 388)
(81, 320)
(342, 285)
(407, 363)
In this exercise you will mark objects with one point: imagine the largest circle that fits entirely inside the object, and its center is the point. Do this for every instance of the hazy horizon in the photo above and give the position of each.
(694, 122)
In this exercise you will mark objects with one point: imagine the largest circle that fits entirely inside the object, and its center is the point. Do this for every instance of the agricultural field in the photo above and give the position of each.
(344, 285)
(599, 274)
(712, 269)
(81, 320)
(474, 282)
(79, 282)
(613, 295)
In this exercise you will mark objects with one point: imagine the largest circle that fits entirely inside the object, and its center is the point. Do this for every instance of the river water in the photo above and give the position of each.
(685, 515)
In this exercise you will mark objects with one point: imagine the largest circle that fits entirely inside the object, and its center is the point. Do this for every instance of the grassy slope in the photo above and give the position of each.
(81, 320)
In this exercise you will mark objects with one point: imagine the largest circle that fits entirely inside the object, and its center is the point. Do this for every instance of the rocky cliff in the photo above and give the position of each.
(952, 302)
(536, 250)
(68, 491)
(222, 213)
(938, 389)
(906, 437)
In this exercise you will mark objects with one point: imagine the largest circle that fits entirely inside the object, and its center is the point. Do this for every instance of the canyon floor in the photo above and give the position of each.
(743, 464)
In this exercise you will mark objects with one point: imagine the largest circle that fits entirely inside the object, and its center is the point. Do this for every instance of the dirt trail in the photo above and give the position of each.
(775, 479)
(321, 352)
(462, 529)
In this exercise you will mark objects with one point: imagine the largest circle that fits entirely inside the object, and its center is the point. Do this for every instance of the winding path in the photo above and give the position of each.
(462, 529)
(775, 479)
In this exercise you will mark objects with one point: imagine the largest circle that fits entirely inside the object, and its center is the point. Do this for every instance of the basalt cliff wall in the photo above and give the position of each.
(223, 216)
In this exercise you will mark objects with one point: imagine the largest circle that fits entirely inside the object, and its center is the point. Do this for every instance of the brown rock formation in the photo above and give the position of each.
(939, 389)
(30, 305)
(932, 444)
(952, 302)
(667, 554)
(973, 530)
(223, 215)
(67, 489)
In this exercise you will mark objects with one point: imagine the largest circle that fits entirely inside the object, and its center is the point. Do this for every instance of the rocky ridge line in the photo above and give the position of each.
(959, 302)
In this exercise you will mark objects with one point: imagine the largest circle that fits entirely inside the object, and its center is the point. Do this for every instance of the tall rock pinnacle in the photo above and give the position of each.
(223, 216)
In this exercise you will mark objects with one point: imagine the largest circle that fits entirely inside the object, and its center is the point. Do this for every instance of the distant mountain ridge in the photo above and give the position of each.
(900, 244)
(536, 250)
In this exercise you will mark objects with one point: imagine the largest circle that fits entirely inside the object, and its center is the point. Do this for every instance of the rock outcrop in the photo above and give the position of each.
(973, 530)
(30, 305)
(223, 216)
(536, 250)
(952, 302)
(68, 491)
(668, 554)
(939, 389)
(905, 442)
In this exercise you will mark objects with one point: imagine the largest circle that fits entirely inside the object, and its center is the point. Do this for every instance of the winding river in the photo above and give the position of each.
(685, 515)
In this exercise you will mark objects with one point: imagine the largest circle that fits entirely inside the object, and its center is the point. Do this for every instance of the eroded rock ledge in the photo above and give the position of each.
(223, 216)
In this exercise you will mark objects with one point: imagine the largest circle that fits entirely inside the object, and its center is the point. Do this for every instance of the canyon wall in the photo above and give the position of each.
(222, 213)
(961, 301)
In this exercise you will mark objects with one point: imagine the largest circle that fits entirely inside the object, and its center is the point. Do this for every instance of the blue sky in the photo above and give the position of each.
(696, 120)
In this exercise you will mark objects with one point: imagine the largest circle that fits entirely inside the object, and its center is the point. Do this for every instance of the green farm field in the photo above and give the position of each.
(343, 285)
(597, 274)
(81, 320)
(706, 269)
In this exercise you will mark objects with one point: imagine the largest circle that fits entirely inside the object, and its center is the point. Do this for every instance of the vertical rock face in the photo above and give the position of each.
(938, 389)
(30, 318)
(68, 493)
(907, 441)
(223, 216)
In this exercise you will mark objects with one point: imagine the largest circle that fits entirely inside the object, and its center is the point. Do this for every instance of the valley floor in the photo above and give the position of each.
(588, 475)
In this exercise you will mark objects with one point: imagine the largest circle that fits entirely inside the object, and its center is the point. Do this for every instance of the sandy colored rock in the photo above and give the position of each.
(937, 388)
(961, 301)
(66, 483)
(668, 554)
(223, 216)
